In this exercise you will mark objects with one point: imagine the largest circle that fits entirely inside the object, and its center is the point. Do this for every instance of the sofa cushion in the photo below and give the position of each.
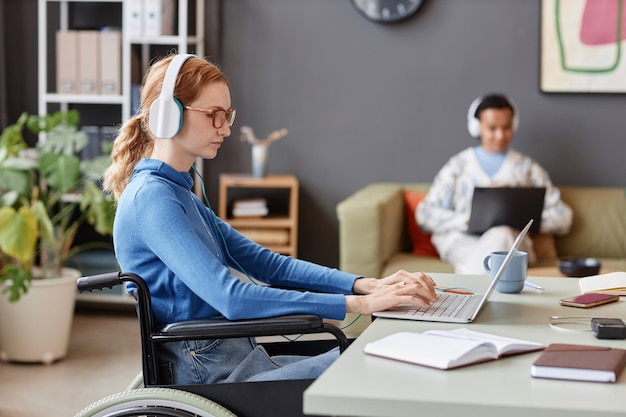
(599, 225)
(420, 240)
(414, 263)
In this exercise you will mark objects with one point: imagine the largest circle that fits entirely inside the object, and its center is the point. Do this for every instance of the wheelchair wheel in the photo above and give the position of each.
(157, 402)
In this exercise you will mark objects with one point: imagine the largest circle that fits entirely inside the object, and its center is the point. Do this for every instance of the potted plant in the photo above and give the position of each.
(46, 193)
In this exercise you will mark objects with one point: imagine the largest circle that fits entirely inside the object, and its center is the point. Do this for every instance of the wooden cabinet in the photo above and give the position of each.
(278, 230)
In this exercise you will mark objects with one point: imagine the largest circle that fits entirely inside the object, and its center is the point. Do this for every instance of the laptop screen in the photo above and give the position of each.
(506, 206)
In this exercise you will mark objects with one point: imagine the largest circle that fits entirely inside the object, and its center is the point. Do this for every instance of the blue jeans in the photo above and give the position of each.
(234, 360)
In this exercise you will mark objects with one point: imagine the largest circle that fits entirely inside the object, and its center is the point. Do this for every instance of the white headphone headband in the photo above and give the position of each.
(473, 122)
(166, 112)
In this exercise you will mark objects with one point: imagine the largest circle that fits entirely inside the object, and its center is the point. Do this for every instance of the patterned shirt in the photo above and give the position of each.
(446, 208)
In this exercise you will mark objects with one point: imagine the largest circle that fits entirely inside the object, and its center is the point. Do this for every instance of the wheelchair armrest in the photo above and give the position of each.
(221, 327)
(271, 326)
(98, 282)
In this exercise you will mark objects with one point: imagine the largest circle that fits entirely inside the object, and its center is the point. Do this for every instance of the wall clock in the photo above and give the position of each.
(387, 11)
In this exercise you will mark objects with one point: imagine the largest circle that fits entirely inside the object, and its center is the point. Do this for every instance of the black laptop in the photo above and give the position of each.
(506, 206)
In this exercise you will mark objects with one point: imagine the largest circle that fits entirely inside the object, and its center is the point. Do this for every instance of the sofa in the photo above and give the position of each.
(376, 239)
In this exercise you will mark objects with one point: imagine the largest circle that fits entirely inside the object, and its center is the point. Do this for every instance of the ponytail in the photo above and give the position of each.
(131, 145)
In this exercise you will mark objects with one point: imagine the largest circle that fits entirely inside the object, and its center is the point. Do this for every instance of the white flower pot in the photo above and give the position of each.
(37, 327)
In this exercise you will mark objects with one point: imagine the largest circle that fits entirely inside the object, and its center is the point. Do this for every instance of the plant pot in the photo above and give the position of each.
(37, 327)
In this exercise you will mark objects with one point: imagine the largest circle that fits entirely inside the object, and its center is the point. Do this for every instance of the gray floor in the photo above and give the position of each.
(104, 356)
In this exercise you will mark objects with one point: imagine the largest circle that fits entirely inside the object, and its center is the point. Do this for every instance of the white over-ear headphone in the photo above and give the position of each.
(166, 113)
(473, 122)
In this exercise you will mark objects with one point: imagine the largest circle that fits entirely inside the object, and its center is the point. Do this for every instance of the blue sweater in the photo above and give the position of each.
(165, 234)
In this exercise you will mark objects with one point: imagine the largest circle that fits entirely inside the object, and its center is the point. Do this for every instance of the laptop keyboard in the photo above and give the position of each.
(447, 305)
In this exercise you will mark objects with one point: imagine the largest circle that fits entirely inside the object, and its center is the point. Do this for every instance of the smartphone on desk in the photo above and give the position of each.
(588, 300)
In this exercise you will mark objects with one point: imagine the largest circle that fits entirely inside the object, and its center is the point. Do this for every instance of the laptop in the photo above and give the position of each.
(508, 206)
(453, 307)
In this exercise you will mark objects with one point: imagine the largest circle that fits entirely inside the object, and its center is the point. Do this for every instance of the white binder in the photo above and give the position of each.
(110, 62)
(67, 62)
(158, 17)
(88, 61)
(134, 17)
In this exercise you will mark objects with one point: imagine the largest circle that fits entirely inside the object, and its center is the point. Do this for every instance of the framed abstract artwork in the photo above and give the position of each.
(582, 46)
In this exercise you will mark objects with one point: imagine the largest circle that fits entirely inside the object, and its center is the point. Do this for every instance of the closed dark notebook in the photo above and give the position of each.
(580, 362)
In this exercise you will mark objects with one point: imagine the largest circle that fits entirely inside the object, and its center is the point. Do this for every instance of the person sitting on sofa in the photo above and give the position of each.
(445, 210)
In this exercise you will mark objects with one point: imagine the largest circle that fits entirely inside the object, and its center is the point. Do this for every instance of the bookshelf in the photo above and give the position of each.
(103, 108)
(182, 41)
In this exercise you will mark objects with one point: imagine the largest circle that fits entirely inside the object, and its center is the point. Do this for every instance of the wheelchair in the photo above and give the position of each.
(147, 396)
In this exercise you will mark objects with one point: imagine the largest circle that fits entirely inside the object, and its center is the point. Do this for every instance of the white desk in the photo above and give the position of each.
(362, 385)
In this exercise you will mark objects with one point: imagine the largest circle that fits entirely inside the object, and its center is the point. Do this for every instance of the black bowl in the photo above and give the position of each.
(579, 267)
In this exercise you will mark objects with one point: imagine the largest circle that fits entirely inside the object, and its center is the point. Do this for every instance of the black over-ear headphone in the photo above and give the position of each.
(166, 113)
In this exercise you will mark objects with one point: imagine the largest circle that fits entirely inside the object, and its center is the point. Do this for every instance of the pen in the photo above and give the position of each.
(455, 290)
(533, 285)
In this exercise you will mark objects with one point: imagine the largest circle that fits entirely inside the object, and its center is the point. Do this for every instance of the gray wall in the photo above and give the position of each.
(366, 102)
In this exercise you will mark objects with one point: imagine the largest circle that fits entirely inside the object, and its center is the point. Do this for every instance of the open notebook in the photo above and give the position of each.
(452, 307)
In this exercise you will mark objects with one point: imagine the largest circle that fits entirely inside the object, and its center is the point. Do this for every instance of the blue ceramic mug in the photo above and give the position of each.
(514, 275)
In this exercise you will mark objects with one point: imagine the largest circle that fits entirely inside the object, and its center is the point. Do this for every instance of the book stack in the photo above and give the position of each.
(609, 283)
(253, 207)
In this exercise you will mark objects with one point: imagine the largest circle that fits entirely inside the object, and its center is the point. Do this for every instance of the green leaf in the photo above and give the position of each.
(93, 169)
(61, 172)
(20, 163)
(46, 228)
(12, 141)
(64, 139)
(100, 209)
(18, 233)
(17, 279)
(9, 198)
(46, 123)
(15, 180)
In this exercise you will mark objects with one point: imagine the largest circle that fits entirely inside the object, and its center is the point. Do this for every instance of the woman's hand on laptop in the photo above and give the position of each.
(401, 287)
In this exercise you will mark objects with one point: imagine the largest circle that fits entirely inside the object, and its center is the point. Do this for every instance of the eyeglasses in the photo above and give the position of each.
(218, 116)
